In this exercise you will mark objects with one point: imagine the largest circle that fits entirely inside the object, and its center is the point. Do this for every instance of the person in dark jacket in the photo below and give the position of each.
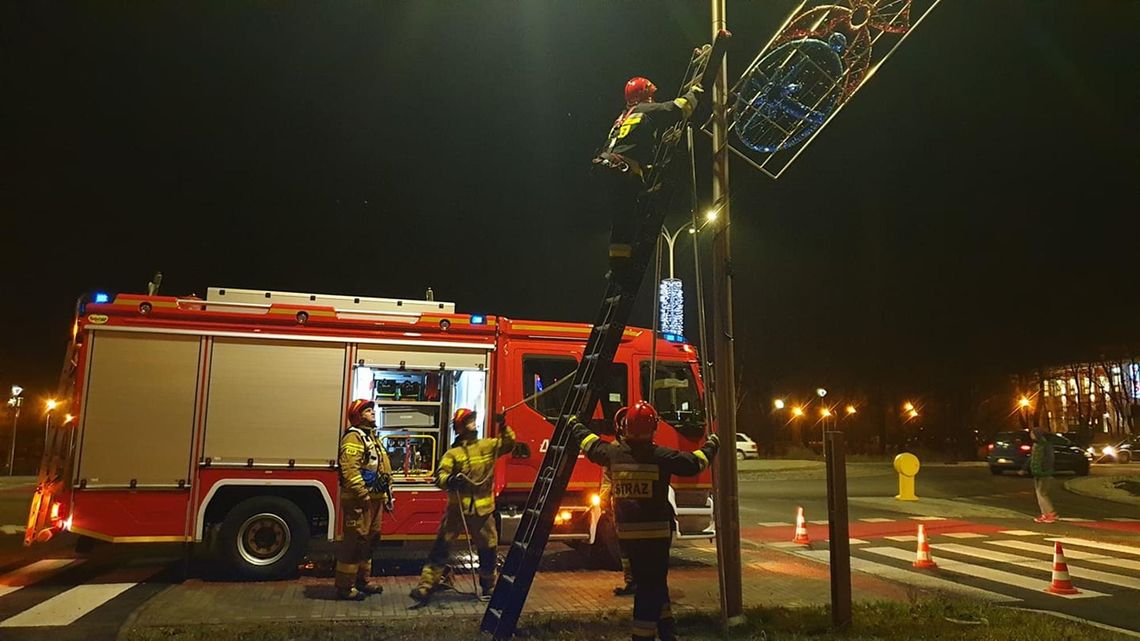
(641, 473)
(627, 156)
(1041, 462)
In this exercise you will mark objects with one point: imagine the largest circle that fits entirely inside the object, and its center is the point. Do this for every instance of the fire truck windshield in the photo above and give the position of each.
(675, 394)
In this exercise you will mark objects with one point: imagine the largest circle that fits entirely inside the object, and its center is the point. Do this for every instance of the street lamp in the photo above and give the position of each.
(797, 411)
(850, 410)
(14, 401)
(671, 295)
(778, 403)
(1024, 405)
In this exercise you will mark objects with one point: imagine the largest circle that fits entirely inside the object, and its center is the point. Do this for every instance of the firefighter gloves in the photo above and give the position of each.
(715, 441)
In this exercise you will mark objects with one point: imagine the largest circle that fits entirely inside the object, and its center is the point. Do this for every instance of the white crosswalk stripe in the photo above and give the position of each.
(1070, 553)
(914, 578)
(877, 520)
(983, 572)
(1076, 572)
(1126, 549)
(33, 573)
(68, 606)
(963, 535)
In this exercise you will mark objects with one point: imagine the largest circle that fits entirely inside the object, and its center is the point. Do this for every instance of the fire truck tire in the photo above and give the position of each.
(605, 552)
(264, 537)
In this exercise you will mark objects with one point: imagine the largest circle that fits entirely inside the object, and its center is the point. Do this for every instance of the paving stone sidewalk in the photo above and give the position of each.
(771, 578)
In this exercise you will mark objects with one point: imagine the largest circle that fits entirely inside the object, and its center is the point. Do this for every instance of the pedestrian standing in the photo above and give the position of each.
(365, 492)
(467, 474)
(1041, 461)
(641, 473)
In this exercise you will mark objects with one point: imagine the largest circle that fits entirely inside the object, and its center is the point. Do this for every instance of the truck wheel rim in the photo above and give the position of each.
(263, 539)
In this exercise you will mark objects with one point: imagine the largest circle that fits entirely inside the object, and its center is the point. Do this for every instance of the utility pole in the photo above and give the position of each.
(727, 503)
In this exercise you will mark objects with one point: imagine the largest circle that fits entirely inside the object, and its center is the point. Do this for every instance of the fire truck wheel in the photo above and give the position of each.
(264, 537)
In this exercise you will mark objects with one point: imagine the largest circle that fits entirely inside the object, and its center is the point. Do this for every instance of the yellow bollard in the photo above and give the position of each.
(906, 464)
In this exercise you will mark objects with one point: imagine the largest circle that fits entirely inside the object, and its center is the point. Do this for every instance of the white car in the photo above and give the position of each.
(746, 447)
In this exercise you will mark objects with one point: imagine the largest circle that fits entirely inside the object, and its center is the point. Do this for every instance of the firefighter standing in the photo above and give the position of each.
(467, 473)
(605, 493)
(641, 473)
(365, 492)
(628, 154)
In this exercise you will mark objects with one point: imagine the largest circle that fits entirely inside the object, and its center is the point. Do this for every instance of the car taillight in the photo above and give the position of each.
(990, 447)
(1025, 448)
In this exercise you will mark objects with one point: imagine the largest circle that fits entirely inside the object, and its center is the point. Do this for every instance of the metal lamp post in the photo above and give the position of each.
(14, 401)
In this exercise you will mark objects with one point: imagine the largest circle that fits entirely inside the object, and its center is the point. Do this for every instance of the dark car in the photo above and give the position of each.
(1010, 452)
(1123, 452)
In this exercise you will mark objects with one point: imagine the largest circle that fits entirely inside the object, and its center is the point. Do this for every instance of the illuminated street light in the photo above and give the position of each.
(778, 403)
(1023, 402)
(913, 413)
(825, 412)
(51, 404)
(908, 406)
(850, 410)
(820, 392)
(711, 215)
(17, 390)
(797, 411)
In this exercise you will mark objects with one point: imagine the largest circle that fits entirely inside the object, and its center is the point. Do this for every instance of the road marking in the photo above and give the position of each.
(775, 524)
(1079, 555)
(1122, 519)
(914, 578)
(1021, 533)
(66, 607)
(784, 545)
(1077, 572)
(877, 520)
(857, 542)
(982, 572)
(964, 535)
(1126, 549)
(902, 538)
(32, 573)
(928, 518)
(823, 522)
(1074, 520)
(12, 529)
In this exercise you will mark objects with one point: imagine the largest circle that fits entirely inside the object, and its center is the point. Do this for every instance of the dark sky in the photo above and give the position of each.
(973, 208)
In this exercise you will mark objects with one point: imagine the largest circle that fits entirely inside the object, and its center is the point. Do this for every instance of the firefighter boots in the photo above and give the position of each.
(626, 590)
(351, 594)
(421, 594)
(369, 588)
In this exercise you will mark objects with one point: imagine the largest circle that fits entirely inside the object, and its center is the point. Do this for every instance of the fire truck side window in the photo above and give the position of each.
(541, 372)
(674, 394)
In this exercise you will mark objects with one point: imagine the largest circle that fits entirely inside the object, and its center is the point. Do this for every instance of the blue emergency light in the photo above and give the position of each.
(102, 297)
(478, 319)
(673, 338)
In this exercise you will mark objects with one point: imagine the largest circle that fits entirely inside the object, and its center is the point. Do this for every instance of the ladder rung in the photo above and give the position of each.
(533, 511)
(613, 299)
(498, 614)
(509, 578)
(522, 545)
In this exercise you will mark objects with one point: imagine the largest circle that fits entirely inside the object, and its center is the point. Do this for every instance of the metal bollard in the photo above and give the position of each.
(906, 464)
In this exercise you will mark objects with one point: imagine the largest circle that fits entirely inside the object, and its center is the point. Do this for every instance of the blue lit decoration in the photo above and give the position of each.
(671, 299)
(825, 52)
(478, 319)
(102, 297)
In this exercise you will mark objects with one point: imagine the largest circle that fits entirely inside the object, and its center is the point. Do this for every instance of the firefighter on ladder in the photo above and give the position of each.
(628, 153)
(365, 492)
(641, 472)
(467, 473)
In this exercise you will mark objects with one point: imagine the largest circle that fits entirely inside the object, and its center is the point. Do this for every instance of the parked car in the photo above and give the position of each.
(1010, 452)
(1125, 451)
(746, 447)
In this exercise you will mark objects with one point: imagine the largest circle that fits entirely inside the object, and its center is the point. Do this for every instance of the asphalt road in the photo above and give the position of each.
(970, 515)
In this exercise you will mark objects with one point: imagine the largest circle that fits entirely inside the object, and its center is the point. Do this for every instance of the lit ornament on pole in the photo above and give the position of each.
(672, 306)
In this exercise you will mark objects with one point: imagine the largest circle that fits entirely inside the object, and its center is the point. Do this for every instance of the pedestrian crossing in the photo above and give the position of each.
(1002, 567)
(52, 593)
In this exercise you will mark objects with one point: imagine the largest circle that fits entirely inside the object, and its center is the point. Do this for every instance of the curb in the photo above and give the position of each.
(1100, 487)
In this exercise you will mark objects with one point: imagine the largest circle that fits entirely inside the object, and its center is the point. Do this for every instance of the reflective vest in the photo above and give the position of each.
(640, 474)
(476, 461)
(359, 451)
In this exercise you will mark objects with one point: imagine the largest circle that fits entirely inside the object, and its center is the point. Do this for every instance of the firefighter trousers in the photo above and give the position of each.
(652, 614)
(620, 193)
(360, 525)
(483, 535)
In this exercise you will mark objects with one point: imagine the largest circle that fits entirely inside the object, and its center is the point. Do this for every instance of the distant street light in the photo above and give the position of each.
(825, 412)
(820, 392)
(908, 406)
(778, 403)
(1023, 402)
(850, 410)
(797, 411)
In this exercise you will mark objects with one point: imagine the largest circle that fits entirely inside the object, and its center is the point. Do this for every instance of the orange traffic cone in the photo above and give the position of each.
(801, 536)
(1061, 584)
(922, 558)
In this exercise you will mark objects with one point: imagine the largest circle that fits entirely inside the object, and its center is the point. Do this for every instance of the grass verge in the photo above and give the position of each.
(930, 620)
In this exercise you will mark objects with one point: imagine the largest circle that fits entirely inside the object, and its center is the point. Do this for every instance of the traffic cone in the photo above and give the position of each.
(801, 536)
(1061, 584)
(922, 558)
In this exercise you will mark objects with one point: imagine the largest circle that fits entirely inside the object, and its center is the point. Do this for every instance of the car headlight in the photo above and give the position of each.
(1108, 450)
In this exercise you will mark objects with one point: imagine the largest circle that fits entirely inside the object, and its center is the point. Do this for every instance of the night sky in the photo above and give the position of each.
(974, 209)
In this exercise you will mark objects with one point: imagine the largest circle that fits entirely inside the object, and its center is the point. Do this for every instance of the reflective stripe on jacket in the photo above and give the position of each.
(476, 461)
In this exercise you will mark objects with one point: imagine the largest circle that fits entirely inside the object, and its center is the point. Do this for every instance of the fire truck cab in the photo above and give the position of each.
(217, 420)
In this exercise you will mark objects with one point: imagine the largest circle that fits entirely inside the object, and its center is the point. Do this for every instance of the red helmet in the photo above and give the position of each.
(639, 90)
(638, 422)
(462, 417)
(356, 410)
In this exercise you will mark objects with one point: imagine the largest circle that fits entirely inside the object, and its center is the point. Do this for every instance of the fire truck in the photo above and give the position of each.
(216, 420)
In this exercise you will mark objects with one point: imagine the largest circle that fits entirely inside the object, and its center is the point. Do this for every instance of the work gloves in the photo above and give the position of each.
(714, 441)
(578, 431)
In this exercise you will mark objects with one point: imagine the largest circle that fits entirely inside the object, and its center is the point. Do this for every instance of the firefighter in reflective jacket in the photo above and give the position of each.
(467, 473)
(641, 473)
(605, 493)
(628, 154)
(365, 476)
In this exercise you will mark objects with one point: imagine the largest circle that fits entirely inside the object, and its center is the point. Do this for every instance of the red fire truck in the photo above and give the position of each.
(217, 420)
